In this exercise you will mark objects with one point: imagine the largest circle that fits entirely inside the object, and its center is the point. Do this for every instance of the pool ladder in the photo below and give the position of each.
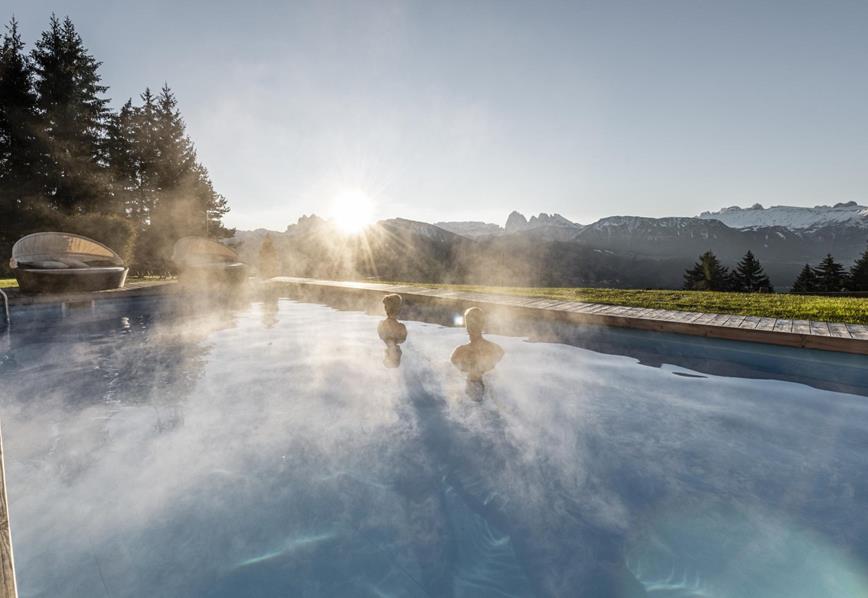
(6, 320)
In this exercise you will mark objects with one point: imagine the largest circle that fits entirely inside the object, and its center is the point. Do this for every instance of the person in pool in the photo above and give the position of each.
(391, 331)
(478, 356)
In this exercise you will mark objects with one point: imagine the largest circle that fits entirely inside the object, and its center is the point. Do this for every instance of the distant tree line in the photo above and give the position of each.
(129, 178)
(830, 277)
(708, 274)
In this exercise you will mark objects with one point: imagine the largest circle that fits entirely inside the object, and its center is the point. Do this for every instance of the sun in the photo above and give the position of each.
(352, 211)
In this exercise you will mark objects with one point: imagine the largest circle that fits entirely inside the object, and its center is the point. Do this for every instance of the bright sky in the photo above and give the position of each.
(468, 110)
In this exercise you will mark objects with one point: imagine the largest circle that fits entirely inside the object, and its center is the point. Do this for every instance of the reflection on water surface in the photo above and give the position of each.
(262, 449)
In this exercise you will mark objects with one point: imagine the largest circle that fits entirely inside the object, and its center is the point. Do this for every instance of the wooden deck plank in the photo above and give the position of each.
(839, 330)
(680, 316)
(735, 321)
(749, 322)
(820, 328)
(858, 331)
(783, 325)
(596, 307)
(719, 319)
(801, 327)
(766, 324)
(580, 307)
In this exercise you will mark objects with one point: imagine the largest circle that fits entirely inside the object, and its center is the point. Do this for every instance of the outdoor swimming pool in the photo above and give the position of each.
(159, 448)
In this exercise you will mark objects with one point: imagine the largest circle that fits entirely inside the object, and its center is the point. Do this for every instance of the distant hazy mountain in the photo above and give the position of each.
(550, 227)
(471, 230)
(550, 250)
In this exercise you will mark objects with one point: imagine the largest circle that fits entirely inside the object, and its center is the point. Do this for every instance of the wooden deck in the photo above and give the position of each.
(7, 565)
(827, 336)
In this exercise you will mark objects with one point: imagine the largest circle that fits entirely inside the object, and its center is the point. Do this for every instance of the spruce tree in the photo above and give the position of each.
(177, 156)
(186, 189)
(806, 282)
(749, 277)
(708, 274)
(73, 119)
(175, 195)
(19, 152)
(123, 161)
(831, 277)
(858, 278)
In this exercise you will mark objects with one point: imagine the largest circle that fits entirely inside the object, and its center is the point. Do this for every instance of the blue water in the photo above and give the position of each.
(165, 448)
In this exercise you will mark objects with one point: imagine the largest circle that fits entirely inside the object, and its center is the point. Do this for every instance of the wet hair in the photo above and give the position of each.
(392, 303)
(474, 320)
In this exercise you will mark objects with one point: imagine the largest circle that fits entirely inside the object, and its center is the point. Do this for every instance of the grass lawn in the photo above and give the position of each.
(853, 310)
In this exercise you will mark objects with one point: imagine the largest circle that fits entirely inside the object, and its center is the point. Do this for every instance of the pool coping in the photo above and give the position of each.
(824, 336)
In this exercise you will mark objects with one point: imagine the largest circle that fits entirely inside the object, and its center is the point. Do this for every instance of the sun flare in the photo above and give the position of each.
(352, 211)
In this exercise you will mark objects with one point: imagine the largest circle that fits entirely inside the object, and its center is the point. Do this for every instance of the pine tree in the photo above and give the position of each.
(707, 275)
(806, 282)
(73, 119)
(858, 277)
(749, 277)
(831, 277)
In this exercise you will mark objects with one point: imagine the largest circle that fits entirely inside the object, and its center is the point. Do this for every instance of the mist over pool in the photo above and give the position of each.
(156, 448)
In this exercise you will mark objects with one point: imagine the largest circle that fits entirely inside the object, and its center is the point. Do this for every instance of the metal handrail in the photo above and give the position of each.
(6, 319)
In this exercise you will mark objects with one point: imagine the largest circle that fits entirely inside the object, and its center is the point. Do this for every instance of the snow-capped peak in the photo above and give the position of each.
(795, 218)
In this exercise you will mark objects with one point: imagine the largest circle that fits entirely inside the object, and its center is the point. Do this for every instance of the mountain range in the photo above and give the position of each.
(551, 250)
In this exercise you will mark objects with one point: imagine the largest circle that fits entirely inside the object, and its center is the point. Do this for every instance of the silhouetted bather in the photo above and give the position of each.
(478, 356)
(391, 331)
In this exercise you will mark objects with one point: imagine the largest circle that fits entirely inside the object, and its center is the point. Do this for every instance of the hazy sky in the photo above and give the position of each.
(468, 110)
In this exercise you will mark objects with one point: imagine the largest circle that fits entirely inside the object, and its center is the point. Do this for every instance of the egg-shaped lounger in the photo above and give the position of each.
(204, 261)
(62, 262)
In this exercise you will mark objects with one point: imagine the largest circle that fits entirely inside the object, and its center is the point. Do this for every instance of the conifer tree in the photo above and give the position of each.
(708, 274)
(73, 119)
(123, 161)
(147, 155)
(19, 154)
(187, 192)
(749, 276)
(175, 195)
(831, 277)
(858, 277)
(806, 282)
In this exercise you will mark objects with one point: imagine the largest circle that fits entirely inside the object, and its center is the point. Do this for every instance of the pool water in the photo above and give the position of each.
(159, 448)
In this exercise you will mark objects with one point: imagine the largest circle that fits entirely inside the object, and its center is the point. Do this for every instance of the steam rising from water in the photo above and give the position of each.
(266, 451)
